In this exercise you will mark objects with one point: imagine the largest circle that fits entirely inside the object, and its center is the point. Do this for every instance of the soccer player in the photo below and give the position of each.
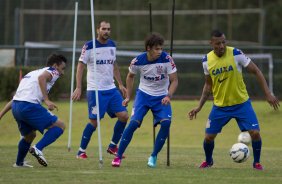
(158, 82)
(223, 78)
(110, 99)
(31, 115)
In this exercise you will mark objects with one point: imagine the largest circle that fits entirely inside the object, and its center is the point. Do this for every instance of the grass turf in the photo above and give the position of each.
(186, 152)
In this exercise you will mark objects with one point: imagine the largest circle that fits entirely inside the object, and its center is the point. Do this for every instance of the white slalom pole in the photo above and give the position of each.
(72, 73)
(96, 82)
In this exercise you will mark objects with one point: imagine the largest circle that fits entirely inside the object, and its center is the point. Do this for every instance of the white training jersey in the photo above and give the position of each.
(105, 59)
(154, 79)
(29, 89)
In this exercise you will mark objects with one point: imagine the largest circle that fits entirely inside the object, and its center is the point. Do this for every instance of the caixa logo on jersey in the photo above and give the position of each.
(155, 78)
(159, 69)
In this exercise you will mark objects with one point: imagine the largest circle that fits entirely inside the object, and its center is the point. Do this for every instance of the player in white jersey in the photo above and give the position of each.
(110, 99)
(158, 82)
(31, 115)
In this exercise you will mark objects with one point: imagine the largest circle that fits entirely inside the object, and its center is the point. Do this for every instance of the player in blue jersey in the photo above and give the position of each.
(158, 82)
(223, 78)
(31, 115)
(110, 98)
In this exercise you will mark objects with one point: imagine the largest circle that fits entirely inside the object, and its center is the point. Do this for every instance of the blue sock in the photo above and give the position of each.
(118, 130)
(208, 147)
(49, 137)
(86, 136)
(256, 150)
(23, 148)
(126, 137)
(161, 137)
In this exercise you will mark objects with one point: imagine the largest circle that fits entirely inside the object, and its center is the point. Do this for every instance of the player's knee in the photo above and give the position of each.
(60, 124)
(209, 138)
(93, 122)
(123, 117)
(255, 135)
(165, 123)
(30, 137)
(133, 125)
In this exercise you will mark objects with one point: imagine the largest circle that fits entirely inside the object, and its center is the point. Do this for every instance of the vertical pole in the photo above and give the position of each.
(151, 30)
(171, 51)
(72, 73)
(96, 83)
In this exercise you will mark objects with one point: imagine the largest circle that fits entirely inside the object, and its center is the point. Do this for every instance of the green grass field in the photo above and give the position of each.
(186, 152)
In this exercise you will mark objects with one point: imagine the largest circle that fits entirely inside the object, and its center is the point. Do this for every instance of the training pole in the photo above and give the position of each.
(72, 73)
(151, 31)
(171, 51)
(96, 82)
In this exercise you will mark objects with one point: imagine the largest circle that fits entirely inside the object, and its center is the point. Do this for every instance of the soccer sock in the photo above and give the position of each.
(23, 148)
(256, 150)
(161, 137)
(126, 137)
(49, 137)
(86, 136)
(118, 130)
(208, 147)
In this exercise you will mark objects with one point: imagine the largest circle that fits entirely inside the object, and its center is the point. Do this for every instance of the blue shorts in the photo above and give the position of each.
(144, 102)
(243, 113)
(110, 101)
(30, 117)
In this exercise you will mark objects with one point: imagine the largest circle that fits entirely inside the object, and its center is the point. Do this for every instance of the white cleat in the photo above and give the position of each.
(38, 155)
(25, 165)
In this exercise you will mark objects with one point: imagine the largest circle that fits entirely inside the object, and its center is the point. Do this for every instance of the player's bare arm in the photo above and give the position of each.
(207, 90)
(173, 79)
(42, 80)
(79, 73)
(119, 81)
(271, 99)
(129, 88)
(6, 108)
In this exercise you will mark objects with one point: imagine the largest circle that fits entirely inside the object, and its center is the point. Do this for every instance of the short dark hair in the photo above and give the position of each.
(55, 59)
(99, 23)
(153, 39)
(216, 33)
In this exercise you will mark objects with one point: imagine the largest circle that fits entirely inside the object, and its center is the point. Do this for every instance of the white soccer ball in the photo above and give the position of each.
(239, 152)
(244, 137)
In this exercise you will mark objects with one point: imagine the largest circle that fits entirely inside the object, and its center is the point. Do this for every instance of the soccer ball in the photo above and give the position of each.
(244, 137)
(239, 152)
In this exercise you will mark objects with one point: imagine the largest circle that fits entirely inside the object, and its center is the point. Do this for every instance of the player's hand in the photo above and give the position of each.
(273, 101)
(51, 106)
(166, 100)
(125, 102)
(76, 94)
(123, 90)
(193, 113)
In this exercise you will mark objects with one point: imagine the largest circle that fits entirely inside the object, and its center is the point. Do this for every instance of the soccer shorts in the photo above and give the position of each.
(144, 102)
(243, 113)
(30, 117)
(110, 101)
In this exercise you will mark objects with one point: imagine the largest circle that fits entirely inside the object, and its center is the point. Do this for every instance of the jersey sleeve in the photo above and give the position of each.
(133, 68)
(53, 72)
(85, 54)
(205, 65)
(241, 58)
(171, 67)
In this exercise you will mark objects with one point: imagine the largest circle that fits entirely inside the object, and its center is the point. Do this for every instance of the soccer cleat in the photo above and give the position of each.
(81, 155)
(205, 164)
(116, 162)
(24, 165)
(152, 161)
(257, 166)
(38, 155)
(113, 151)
